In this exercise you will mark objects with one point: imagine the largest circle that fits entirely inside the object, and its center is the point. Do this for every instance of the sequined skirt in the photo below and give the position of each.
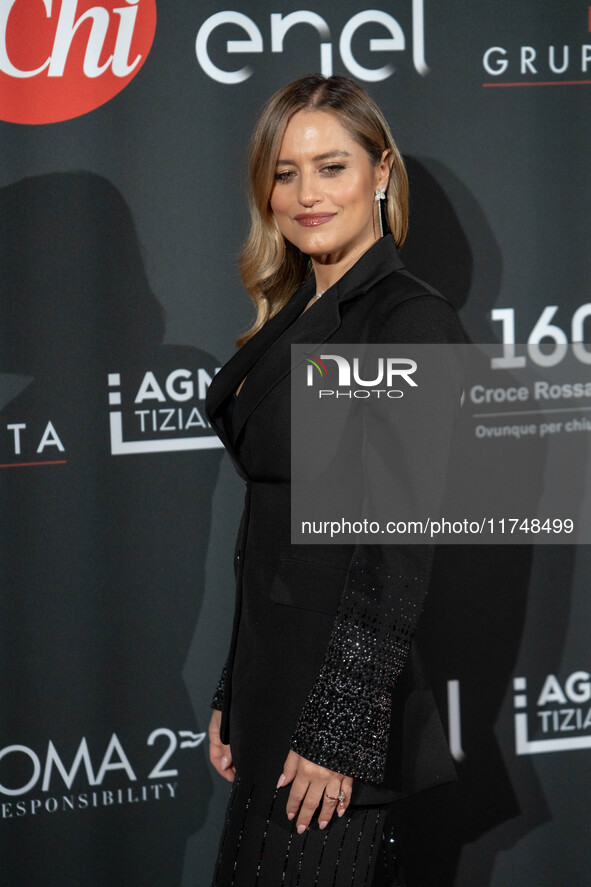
(259, 847)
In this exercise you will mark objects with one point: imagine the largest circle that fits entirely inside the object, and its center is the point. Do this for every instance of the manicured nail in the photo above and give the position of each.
(290, 816)
(225, 762)
(301, 829)
(340, 811)
(281, 780)
(323, 824)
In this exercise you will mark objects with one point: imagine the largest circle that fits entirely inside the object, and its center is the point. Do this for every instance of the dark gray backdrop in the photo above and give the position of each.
(116, 562)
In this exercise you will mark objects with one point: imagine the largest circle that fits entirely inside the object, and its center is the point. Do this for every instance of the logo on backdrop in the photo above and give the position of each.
(160, 412)
(215, 48)
(63, 58)
(27, 443)
(33, 782)
(564, 61)
(555, 716)
(551, 715)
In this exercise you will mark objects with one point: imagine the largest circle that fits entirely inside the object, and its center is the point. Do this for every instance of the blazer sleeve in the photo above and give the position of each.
(345, 722)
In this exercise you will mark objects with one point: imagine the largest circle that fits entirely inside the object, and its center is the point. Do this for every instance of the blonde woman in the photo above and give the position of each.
(322, 717)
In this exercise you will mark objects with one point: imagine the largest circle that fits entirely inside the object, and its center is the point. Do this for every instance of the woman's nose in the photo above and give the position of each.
(308, 192)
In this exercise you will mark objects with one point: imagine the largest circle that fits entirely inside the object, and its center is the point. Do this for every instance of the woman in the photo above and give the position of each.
(322, 717)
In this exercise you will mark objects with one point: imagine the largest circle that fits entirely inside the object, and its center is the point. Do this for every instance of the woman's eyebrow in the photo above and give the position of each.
(317, 158)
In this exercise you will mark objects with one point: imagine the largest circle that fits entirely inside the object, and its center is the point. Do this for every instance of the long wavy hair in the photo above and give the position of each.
(271, 267)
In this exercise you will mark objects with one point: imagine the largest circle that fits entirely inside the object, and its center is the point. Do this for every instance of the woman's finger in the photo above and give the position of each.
(221, 758)
(297, 794)
(227, 768)
(220, 754)
(331, 799)
(290, 768)
(309, 806)
(346, 789)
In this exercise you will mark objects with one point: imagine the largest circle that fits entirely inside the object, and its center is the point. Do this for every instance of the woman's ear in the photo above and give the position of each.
(384, 168)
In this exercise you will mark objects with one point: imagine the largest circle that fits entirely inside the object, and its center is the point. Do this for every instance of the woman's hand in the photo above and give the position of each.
(311, 785)
(220, 754)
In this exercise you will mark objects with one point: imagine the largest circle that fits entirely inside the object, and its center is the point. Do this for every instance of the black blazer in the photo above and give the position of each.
(321, 658)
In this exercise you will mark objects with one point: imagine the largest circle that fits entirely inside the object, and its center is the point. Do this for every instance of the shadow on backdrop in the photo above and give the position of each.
(101, 556)
(474, 617)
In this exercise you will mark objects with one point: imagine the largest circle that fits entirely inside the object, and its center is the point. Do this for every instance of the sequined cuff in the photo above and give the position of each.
(345, 722)
(218, 698)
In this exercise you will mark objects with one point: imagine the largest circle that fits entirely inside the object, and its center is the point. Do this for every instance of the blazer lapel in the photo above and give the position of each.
(266, 358)
(241, 363)
(314, 326)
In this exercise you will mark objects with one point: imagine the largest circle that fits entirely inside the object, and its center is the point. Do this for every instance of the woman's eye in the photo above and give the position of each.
(284, 176)
(334, 169)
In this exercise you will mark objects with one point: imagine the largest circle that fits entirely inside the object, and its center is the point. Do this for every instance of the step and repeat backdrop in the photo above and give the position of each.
(124, 128)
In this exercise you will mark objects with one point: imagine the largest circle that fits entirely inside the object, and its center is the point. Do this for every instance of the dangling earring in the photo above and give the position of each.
(380, 194)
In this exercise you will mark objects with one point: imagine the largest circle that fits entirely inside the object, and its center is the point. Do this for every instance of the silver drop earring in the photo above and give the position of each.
(380, 194)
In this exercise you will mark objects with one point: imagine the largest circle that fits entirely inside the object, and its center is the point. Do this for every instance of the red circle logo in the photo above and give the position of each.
(63, 58)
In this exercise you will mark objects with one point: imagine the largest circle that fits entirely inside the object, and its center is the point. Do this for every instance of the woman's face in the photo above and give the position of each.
(323, 196)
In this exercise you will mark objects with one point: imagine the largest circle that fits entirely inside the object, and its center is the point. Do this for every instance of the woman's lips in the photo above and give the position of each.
(310, 220)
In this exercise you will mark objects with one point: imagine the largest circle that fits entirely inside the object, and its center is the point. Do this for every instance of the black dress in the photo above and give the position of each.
(259, 847)
(321, 658)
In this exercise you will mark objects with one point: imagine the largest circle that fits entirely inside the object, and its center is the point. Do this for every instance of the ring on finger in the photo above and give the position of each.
(340, 797)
